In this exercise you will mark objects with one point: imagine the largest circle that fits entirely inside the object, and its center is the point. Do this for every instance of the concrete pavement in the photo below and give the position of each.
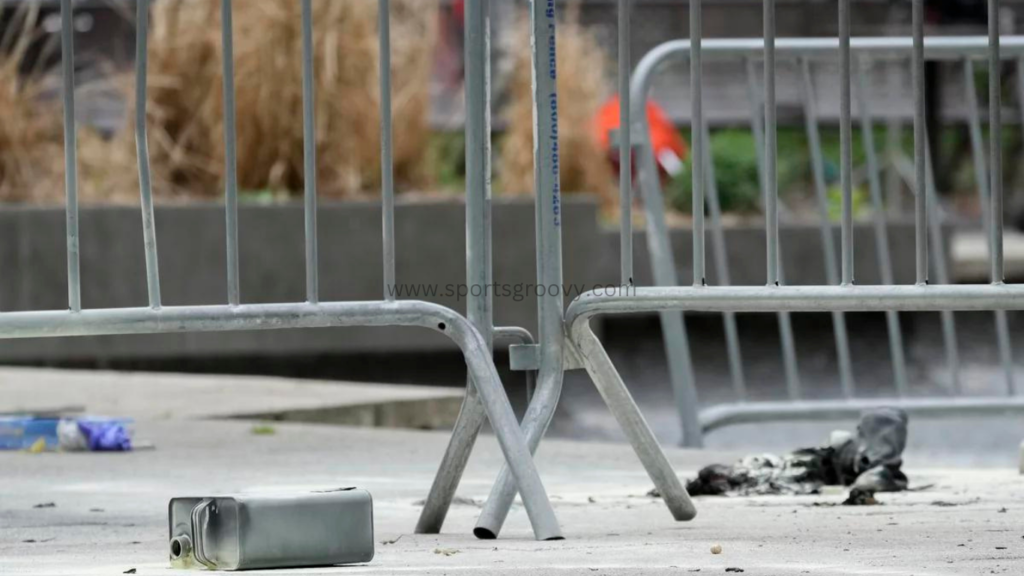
(109, 510)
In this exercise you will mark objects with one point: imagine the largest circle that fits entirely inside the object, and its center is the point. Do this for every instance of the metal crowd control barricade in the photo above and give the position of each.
(841, 295)
(552, 354)
(475, 343)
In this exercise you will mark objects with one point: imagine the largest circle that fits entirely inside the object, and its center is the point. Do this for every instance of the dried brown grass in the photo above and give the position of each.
(30, 130)
(185, 114)
(582, 85)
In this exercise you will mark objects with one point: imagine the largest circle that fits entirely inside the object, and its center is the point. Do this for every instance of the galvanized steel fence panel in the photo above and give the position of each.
(853, 54)
(472, 335)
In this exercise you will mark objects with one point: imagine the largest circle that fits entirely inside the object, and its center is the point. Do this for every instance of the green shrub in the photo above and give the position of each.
(446, 156)
(736, 173)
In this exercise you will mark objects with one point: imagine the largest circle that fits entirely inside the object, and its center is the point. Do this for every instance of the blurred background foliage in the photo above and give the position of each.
(185, 113)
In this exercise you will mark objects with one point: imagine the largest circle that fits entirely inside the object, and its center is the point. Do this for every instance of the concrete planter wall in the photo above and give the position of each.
(802, 254)
(431, 256)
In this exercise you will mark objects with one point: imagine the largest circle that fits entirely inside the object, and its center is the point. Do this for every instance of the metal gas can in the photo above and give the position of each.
(271, 530)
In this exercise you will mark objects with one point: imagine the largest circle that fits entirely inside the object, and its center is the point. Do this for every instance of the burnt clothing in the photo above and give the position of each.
(869, 461)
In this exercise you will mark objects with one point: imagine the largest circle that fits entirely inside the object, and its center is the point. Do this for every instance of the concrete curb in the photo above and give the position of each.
(147, 396)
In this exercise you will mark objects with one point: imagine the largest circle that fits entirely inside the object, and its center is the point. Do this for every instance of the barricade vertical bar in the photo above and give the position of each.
(1006, 351)
(625, 147)
(895, 198)
(893, 181)
(483, 316)
(479, 306)
(920, 144)
(935, 220)
(825, 226)
(545, 525)
(1020, 90)
(309, 154)
(230, 154)
(995, 105)
(756, 103)
(663, 268)
(846, 141)
(1020, 104)
(549, 268)
(789, 361)
(981, 181)
(732, 337)
(486, 261)
(142, 151)
(771, 146)
(756, 120)
(810, 109)
(697, 135)
(892, 317)
(386, 163)
(67, 59)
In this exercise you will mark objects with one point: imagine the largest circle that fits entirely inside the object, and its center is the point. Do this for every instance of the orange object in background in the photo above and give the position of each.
(670, 148)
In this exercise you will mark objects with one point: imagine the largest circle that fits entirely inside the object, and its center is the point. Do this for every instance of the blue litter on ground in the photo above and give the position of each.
(97, 433)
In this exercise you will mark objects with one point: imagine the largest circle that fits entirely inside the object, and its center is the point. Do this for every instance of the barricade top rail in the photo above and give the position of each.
(935, 48)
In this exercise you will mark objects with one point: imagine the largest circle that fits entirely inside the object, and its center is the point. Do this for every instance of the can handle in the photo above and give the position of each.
(198, 521)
